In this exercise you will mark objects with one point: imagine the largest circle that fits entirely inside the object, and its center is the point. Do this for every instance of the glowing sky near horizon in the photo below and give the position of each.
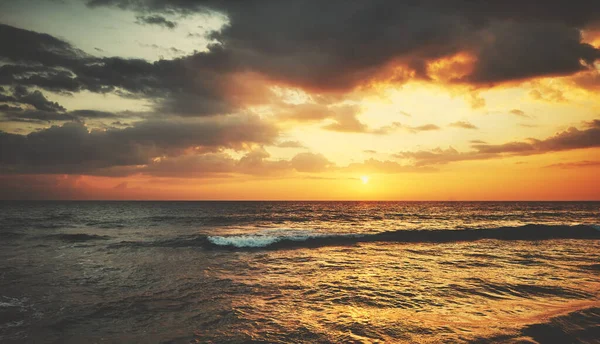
(114, 99)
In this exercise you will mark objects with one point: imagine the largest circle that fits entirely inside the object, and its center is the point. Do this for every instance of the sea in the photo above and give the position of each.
(299, 272)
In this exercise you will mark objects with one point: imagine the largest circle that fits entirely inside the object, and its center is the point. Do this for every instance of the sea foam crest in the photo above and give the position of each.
(264, 238)
(253, 240)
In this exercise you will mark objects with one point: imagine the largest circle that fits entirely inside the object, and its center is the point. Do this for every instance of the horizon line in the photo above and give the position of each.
(279, 200)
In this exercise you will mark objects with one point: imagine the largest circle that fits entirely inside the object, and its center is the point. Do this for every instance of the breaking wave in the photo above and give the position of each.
(308, 239)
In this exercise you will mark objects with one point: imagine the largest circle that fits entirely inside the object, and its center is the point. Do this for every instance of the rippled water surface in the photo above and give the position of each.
(302, 272)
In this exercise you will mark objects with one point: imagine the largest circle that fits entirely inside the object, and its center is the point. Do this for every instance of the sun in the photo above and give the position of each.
(364, 179)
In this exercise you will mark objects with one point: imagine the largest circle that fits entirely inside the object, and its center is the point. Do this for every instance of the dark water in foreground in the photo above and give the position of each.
(313, 272)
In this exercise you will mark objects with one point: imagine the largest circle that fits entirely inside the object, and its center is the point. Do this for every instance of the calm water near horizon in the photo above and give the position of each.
(300, 272)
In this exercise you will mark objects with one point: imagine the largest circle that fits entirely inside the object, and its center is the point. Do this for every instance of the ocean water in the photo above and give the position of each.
(299, 272)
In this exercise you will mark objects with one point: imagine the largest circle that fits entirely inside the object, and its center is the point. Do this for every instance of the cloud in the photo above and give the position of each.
(63, 187)
(344, 118)
(518, 112)
(37, 187)
(419, 128)
(54, 65)
(525, 125)
(36, 99)
(324, 49)
(463, 125)
(329, 49)
(523, 50)
(571, 138)
(340, 45)
(378, 166)
(290, 144)
(17, 114)
(310, 162)
(587, 80)
(475, 101)
(72, 148)
(547, 93)
(399, 126)
(346, 121)
(575, 164)
(439, 156)
(26, 106)
(256, 162)
(31, 47)
(30, 100)
(188, 165)
(156, 20)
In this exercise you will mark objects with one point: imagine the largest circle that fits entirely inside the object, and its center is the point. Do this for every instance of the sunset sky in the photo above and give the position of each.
(373, 100)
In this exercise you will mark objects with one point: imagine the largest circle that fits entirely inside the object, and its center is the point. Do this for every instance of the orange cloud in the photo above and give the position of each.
(592, 37)
(452, 68)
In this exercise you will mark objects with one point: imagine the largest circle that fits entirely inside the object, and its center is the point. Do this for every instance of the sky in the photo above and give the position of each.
(299, 100)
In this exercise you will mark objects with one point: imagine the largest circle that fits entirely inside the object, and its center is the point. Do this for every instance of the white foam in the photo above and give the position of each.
(252, 240)
(11, 324)
(6, 301)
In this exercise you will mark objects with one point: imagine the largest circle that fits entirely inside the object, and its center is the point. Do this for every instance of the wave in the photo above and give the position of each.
(527, 232)
(580, 326)
(257, 241)
(306, 239)
(79, 237)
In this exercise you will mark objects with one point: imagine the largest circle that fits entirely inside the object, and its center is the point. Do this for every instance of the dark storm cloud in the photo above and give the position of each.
(335, 45)
(571, 138)
(18, 114)
(26, 106)
(573, 12)
(9, 108)
(72, 148)
(36, 99)
(525, 50)
(187, 86)
(156, 20)
(330, 46)
(91, 114)
(25, 46)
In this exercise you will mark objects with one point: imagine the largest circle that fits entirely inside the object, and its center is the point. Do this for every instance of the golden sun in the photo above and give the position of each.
(364, 179)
